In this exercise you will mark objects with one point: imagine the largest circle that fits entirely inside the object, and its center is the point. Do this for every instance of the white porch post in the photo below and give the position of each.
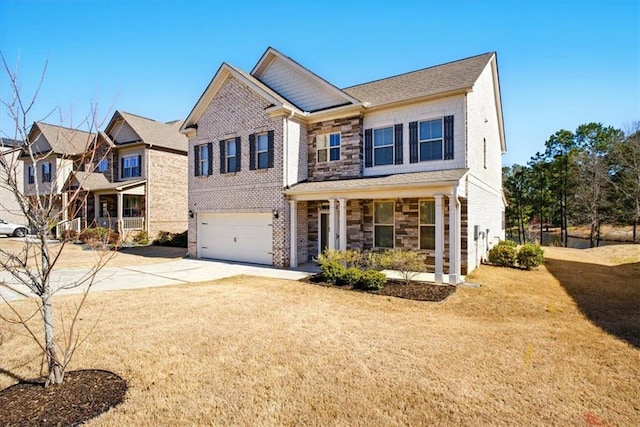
(439, 238)
(332, 223)
(342, 203)
(453, 240)
(120, 208)
(65, 206)
(293, 229)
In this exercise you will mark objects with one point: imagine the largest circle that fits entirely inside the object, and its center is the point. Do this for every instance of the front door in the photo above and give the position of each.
(323, 233)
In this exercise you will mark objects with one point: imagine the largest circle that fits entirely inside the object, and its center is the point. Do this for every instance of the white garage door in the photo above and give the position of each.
(236, 237)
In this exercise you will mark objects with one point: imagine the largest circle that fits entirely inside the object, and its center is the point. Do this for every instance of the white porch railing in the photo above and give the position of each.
(62, 226)
(128, 223)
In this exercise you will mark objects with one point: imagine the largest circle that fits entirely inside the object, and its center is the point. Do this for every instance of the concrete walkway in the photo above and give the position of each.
(153, 275)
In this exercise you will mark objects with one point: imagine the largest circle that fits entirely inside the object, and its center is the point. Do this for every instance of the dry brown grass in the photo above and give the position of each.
(77, 256)
(520, 350)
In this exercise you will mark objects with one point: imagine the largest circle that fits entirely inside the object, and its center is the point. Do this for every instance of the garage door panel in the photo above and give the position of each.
(236, 237)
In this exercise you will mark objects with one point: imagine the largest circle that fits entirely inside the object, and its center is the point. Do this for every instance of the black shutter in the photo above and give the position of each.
(368, 148)
(223, 158)
(196, 160)
(238, 154)
(139, 165)
(413, 142)
(252, 151)
(271, 144)
(448, 137)
(210, 162)
(122, 167)
(397, 143)
(43, 175)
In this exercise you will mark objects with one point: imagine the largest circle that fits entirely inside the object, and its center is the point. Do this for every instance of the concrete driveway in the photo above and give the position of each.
(152, 275)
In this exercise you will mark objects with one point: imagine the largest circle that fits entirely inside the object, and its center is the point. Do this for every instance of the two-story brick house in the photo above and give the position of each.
(137, 177)
(283, 164)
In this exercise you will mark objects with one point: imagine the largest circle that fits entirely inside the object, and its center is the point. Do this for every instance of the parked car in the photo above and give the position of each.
(11, 229)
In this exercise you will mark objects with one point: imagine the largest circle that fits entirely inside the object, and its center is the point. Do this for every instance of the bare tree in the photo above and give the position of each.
(46, 200)
(626, 177)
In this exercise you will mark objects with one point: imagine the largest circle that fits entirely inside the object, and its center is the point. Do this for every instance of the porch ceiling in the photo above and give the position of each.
(390, 186)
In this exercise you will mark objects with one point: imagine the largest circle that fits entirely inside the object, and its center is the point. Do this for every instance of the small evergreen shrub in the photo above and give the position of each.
(372, 280)
(332, 271)
(141, 238)
(510, 243)
(530, 255)
(352, 276)
(503, 255)
(176, 240)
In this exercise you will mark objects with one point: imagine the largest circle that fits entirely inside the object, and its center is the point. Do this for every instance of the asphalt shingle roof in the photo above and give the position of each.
(93, 181)
(428, 81)
(158, 134)
(65, 140)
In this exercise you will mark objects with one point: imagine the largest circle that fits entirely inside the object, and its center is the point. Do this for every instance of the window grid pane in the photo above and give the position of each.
(384, 236)
(263, 142)
(322, 155)
(383, 213)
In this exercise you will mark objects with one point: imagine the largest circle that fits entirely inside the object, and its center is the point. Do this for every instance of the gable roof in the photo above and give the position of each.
(436, 80)
(287, 78)
(95, 181)
(154, 133)
(63, 140)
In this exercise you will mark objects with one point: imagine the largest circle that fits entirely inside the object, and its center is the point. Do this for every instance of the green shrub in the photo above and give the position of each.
(503, 255)
(510, 243)
(408, 263)
(176, 240)
(332, 271)
(330, 255)
(372, 280)
(141, 238)
(530, 255)
(351, 257)
(352, 276)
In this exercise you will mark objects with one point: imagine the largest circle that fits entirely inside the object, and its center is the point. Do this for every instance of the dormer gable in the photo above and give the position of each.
(301, 87)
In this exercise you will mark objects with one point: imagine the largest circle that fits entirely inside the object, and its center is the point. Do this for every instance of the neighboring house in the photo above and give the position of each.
(10, 150)
(283, 164)
(137, 177)
(53, 153)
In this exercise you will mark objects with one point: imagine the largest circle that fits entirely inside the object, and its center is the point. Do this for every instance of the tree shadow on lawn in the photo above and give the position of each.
(608, 295)
(153, 251)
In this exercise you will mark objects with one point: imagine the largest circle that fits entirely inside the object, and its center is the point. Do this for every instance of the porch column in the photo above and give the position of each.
(342, 218)
(65, 206)
(453, 239)
(332, 224)
(439, 238)
(96, 207)
(120, 205)
(293, 229)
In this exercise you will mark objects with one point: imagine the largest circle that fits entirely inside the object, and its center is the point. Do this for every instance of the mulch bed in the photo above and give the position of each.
(82, 395)
(419, 291)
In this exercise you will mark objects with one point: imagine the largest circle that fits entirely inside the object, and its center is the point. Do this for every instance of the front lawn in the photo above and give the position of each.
(522, 349)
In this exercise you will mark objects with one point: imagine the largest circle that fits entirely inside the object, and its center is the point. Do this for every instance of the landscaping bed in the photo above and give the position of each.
(419, 291)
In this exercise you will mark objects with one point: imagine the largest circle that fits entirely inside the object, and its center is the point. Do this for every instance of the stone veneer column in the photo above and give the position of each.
(332, 224)
(342, 217)
(293, 230)
(439, 238)
(453, 240)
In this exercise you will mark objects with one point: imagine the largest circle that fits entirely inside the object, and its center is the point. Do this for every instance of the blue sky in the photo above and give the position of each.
(562, 63)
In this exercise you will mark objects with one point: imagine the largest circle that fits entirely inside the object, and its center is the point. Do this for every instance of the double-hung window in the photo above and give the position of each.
(103, 166)
(203, 161)
(130, 167)
(430, 140)
(231, 159)
(328, 147)
(383, 224)
(30, 177)
(46, 172)
(131, 207)
(262, 150)
(427, 224)
(383, 146)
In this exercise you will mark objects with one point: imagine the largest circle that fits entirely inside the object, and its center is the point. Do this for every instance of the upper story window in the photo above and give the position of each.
(232, 160)
(30, 177)
(427, 224)
(130, 166)
(328, 147)
(46, 172)
(230, 155)
(103, 166)
(203, 159)
(383, 222)
(262, 151)
(383, 146)
(430, 140)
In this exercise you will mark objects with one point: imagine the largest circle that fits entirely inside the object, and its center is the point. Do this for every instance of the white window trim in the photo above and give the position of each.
(420, 141)
(373, 144)
(323, 143)
(203, 148)
(258, 151)
(229, 142)
(420, 224)
(393, 225)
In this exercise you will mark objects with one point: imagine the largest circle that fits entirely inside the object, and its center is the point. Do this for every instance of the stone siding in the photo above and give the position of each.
(351, 150)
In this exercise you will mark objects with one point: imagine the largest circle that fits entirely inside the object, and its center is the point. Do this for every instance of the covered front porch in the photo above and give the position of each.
(424, 211)
(122, 210)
